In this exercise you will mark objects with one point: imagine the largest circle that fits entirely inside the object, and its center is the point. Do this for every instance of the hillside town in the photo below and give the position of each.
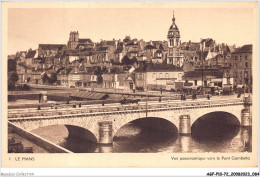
(134, 64)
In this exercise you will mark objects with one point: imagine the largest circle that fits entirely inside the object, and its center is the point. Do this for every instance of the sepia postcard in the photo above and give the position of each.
(129, 84)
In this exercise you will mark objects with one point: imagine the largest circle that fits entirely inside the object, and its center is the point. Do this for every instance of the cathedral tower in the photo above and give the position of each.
(174, 54)
(73, 40)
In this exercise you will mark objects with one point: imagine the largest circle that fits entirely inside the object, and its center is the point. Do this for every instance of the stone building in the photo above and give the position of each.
(211, 77)
(241, 66)
(48, 50)
(157, 76)
(76, 42)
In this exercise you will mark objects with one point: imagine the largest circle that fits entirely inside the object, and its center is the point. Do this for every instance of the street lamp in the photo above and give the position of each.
(245, 81)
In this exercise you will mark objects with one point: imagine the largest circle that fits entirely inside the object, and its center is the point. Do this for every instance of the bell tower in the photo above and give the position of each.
(174, 56)
(73, 40)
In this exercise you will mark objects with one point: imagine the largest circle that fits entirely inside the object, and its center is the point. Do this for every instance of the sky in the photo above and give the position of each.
(28, 27)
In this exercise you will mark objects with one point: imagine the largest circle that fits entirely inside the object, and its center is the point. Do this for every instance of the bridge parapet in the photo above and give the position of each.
(119, 109)
(104, 123)
(34, 92)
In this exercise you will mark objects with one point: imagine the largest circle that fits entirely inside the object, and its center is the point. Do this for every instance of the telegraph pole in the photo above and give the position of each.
(146, 105)
(202, 70)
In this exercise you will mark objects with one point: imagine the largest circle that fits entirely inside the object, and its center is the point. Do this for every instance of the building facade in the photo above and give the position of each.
(241, 66)
(158, 76)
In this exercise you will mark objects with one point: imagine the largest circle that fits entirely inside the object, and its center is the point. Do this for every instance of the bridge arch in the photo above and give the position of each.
(81, 133)
(217, 114)
(75, 128)
(233, 110)
(215, 125)
(157, 123)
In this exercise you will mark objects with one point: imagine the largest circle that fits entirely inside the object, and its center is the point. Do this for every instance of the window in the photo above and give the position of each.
(180, 76)
(160, 75)
(246, 74)
(235, 66)
(240, 58)
(246, 57)
(235, 57)
(195, 82)
(154, 75)
(166, 75)
(246, 64)
(171, 42)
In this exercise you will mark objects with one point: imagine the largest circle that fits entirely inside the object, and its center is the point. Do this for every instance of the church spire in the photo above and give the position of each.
(173, 18)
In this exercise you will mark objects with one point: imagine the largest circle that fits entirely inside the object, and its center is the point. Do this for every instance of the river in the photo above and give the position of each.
(135, 138)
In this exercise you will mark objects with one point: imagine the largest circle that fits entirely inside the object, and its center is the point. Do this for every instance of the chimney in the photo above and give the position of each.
(140, 45)
(234, 46)
(116, 42)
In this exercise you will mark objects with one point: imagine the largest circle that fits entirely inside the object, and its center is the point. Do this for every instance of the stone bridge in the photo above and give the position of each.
(101, 126)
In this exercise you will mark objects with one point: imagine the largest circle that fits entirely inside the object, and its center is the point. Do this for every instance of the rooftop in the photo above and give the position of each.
(244, 49)
(87, 40)
(51, 46)
(158, 67)
(31, 54)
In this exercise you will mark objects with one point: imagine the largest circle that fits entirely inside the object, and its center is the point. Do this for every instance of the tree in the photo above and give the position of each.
(126, 60)
(12, 79)
(53, 78)
(134, 60)
(104, 70)
(98, 71)
(99, 79)
(44, 78)
(11, 65)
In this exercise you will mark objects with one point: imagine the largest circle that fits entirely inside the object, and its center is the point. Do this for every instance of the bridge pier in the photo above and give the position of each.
(105, 148)
(245, 137)
(246, 114)
(105, 132)
(245, 118)
(184, 127)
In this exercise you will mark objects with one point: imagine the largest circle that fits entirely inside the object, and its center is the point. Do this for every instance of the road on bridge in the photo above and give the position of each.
(67, 109)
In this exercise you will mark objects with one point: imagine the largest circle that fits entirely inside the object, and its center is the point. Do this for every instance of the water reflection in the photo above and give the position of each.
(185, 142)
